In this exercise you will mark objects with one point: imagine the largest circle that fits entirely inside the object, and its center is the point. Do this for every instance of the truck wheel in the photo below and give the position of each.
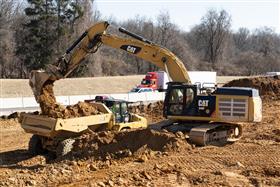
(35, 146)
(64, 147)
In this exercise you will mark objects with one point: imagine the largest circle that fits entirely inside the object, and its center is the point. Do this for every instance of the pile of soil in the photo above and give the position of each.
(269, 87)
(102, 145)
(51, 108)
(153, 111)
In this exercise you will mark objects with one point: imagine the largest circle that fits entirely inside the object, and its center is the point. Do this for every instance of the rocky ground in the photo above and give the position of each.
(132, 159)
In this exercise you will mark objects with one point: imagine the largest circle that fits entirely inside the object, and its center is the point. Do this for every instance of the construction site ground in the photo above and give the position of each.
(148, 158)
(252, 161)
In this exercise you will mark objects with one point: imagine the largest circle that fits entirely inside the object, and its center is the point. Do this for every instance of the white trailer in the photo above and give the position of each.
(163, 79)
(201, 78)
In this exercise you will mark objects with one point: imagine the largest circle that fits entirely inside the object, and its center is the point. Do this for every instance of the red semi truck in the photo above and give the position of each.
(155, 80)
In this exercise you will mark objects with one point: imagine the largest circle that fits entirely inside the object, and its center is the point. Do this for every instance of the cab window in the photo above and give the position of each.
(189, 97)
(117, 110)
(124, 108)
(176, 96)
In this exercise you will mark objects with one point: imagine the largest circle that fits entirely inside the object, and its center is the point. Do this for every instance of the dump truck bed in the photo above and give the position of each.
(52, 127)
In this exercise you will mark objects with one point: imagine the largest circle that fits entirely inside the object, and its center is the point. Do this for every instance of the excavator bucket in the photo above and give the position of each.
(37, 80)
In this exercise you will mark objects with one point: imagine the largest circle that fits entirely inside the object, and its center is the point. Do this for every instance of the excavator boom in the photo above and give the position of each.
(155, 54)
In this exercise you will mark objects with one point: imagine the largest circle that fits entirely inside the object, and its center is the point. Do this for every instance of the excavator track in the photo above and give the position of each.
(215, 134)
(207, 133)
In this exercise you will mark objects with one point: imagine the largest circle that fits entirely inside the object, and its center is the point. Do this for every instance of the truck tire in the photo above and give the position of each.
(64, 147)
(35, 146)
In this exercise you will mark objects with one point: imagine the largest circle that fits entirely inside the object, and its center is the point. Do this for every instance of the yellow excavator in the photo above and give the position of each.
(209, 117)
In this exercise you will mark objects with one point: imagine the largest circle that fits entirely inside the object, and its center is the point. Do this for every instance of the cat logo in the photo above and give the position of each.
(202, 104)
(131, 49)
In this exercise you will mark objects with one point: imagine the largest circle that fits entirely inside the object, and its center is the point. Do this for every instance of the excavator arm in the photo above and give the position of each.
(92, 39)
(159, 56)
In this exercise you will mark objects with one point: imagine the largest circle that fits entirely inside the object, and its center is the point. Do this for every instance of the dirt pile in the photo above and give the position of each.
(51, 108)
(127, 143)
(269, 87)
(153, 111)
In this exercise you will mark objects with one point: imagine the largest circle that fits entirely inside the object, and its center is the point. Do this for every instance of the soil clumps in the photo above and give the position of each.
(153, 112)
(123, 144)
(51, 108)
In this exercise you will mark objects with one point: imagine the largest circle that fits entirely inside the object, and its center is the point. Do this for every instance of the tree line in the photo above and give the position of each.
(35, 33)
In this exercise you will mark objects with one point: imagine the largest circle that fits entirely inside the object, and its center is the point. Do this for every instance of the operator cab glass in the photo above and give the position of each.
(117, 112)
(124, 112)
(120, 110)
(179, 99)
(146, 82)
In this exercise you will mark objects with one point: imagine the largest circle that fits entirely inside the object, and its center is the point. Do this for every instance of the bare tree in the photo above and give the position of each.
(9, 18)
(266, 41)
(209, 37)
(241, 39)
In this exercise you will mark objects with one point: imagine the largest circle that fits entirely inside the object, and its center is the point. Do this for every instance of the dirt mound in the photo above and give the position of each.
(153, 111)
(127, 143)
(269, 87)
(51, 108)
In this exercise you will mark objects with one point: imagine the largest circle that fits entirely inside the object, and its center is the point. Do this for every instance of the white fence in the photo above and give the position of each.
(29, 104)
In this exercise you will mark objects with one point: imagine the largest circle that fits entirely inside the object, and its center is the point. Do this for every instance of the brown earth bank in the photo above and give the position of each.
(83, 86)
(147, 158)
(74, 86)
(269, 87)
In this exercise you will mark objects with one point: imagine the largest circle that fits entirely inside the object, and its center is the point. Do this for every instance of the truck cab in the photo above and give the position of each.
(150, 81)
(120, 109)
(117, 106)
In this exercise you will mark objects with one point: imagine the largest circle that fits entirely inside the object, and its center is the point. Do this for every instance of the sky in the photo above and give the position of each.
(251, 14)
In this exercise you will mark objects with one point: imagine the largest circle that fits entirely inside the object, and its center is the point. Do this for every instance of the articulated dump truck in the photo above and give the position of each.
(57, 135)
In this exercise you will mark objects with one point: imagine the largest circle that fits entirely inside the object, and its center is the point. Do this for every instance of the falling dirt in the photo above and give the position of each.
(51, 108)
(269, 87)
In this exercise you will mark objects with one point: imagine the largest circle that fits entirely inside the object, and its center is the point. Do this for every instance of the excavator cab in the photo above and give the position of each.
(179, 98)
(183, 100)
